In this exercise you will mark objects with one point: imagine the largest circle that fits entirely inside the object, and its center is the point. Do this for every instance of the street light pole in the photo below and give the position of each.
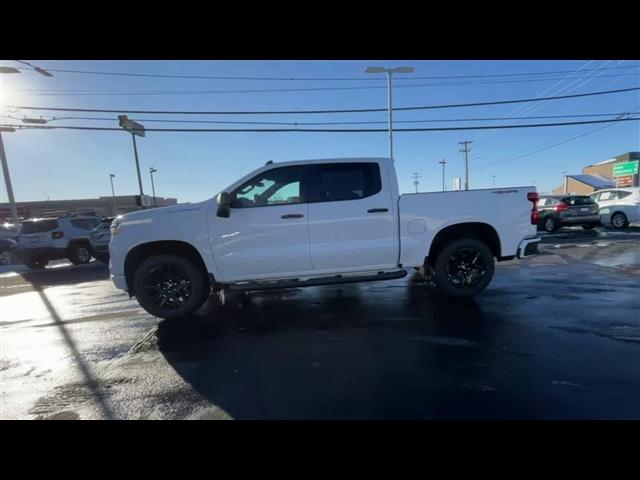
(113, 195)
(442, 162)
(389, 72)
(134, 128)
(7, 179)
(135, 152)
(153, 188)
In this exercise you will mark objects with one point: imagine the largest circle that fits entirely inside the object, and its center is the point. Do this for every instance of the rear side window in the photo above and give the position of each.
(347, 181)
(85, 223)
(623, 194)
(38, 226)
(578, 201)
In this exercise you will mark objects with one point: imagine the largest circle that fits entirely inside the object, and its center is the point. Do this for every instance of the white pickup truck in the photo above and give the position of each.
(317, 222)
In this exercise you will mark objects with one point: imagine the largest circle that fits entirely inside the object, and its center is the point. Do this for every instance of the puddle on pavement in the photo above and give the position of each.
(623, 259)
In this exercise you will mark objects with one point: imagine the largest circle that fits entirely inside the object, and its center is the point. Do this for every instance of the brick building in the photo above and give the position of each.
(597, 176)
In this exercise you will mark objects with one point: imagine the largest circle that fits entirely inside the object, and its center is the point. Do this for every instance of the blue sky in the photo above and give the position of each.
(63, 164)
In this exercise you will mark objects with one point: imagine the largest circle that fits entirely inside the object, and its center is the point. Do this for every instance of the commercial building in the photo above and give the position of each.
(600, 175)
(101, 206)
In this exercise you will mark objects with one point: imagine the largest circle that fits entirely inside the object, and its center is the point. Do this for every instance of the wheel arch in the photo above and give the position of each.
(138, 254)
(478, 230)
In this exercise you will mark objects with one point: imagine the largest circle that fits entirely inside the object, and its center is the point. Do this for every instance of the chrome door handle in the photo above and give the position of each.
(377, 210)
(292, 215)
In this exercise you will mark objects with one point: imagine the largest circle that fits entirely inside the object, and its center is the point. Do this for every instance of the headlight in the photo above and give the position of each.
(115, 227)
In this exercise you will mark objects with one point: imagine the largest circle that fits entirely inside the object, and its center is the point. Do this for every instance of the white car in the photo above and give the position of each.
(619, 207)
(317, 222)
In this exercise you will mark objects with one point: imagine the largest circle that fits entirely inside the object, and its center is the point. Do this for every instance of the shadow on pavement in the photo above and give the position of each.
(88, 380)
(66, 275)
(336, 352)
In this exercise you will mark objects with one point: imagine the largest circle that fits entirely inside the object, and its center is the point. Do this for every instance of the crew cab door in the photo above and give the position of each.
(351, 218)
(267, 232)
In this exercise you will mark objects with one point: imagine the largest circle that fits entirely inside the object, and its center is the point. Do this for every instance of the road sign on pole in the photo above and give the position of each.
(626, 168)
(626, 181)
(131, 126)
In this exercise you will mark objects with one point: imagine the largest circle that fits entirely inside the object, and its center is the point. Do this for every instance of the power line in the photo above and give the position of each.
(222, 77)
(547, 147)
(352, 130)
(353, 110)
(246, 122)
(90, 93)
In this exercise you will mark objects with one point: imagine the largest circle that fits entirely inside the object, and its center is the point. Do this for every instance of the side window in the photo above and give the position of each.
(279, 186)
(347, 181)
(38, 226)
(81, 223)
(623, 194)
(604, 196)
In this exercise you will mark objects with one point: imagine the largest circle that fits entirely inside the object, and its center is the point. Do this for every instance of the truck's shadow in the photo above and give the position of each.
(386, 350)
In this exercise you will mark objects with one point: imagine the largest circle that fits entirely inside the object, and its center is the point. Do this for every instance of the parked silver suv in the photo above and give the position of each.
(45, 239)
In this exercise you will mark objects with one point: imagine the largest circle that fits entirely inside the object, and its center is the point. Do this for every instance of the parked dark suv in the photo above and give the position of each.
(567, 210)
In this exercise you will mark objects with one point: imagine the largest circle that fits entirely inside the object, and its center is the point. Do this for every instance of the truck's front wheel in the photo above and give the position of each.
(464, 268)
(170, 286)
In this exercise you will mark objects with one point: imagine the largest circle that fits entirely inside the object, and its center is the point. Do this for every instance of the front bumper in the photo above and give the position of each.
(528, 247)
(580, 219)
(120, 282)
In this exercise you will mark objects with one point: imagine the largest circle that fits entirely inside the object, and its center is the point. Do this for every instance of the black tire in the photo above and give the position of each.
(619, 220)
(589, 226)
(6, 257)
(170, 286)
(549, 224)
(79, 253)
(466, 255)
(102, 257)
(35, 263)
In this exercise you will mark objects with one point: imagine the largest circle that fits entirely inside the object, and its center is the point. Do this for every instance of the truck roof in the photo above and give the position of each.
(331, 160)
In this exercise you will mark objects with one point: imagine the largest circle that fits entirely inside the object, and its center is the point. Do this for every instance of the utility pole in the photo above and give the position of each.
(113, 195)
(7, 181)
(442, 162)
(416, 182)
(3, 155)
(466, 149)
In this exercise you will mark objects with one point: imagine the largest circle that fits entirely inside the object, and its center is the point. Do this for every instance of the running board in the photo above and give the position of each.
(312, 282)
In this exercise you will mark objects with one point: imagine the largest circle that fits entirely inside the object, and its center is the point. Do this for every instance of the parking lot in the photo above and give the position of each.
(555, 336)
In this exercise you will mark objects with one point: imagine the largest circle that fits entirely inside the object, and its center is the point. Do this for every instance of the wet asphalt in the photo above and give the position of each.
(556, 336)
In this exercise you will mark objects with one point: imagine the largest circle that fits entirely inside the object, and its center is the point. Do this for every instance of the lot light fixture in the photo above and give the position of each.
(389, 72)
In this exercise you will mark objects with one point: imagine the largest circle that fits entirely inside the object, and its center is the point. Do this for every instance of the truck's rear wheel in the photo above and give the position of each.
(464, 268)
(170, 286)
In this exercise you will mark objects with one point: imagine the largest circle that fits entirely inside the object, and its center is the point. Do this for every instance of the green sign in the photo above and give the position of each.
(627, 168)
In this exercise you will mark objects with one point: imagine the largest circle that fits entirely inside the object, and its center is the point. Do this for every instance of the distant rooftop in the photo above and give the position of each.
(596, 181)
(631, 156)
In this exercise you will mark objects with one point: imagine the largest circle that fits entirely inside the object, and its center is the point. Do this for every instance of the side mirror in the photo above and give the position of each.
(224, 204)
